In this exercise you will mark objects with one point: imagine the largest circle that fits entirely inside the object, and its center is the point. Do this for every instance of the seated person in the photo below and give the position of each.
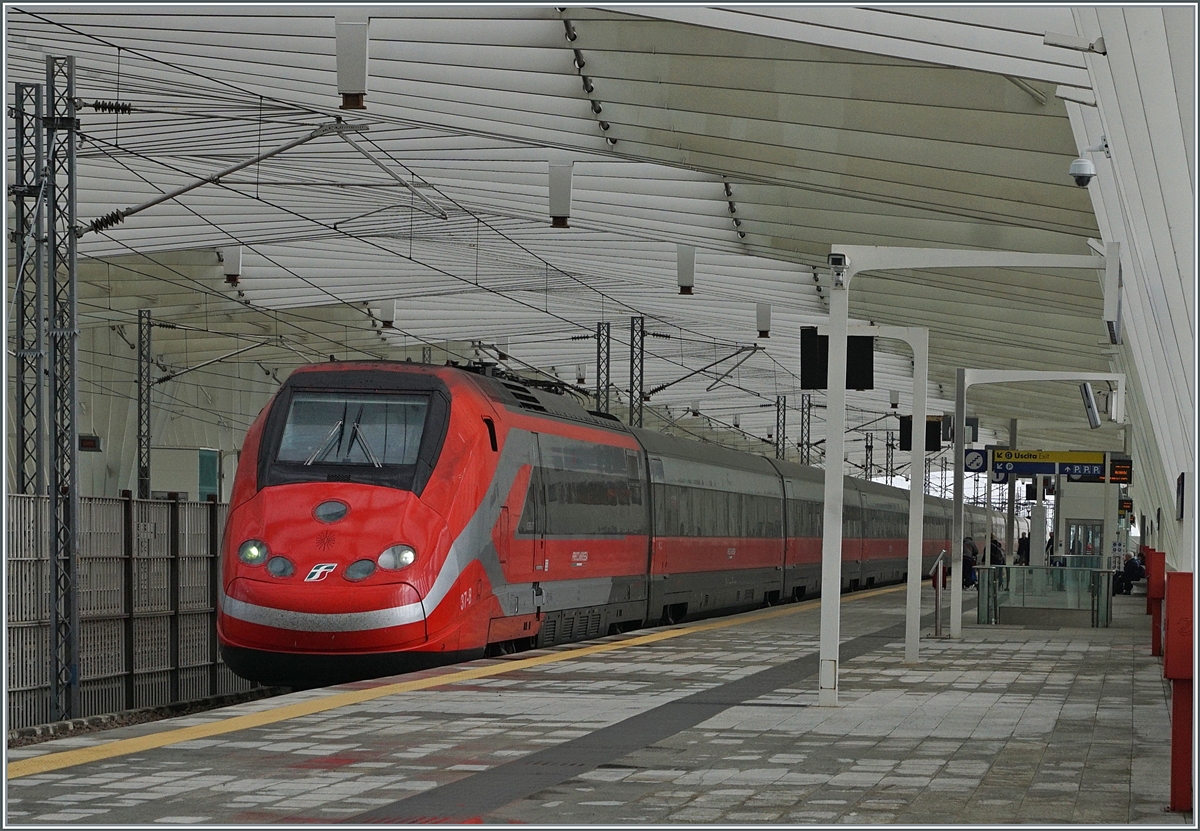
(1124, 579)
(1133, 572)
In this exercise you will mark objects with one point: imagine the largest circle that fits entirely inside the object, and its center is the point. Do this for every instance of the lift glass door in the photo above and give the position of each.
(1084, 543)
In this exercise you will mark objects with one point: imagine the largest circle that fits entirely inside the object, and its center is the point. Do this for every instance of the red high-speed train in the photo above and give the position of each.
(393, 516)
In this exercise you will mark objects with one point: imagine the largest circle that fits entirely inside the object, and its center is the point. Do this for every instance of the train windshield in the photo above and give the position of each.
(359, 429)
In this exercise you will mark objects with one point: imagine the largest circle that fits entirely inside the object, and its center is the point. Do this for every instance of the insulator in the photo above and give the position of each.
(112, 107)
(107, 221)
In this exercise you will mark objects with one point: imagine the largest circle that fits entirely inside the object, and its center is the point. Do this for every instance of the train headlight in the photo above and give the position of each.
(280, 567)
(253, 552)
(359, 570)
(396, 557)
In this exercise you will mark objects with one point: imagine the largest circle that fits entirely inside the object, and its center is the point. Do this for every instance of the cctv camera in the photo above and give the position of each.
(1082, 171)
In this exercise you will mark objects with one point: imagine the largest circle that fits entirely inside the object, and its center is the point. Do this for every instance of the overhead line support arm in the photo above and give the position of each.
(116, 217)
(751, 349)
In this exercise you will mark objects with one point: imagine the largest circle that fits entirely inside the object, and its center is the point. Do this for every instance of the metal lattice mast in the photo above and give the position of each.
(61, 128)
(144, 384)
(603, 365)
(806, 429)
(869, 444)
(28, 236)
(780, 425)
(890, 456)
(637, 365)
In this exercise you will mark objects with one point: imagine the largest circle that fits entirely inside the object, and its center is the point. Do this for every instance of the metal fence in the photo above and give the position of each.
(147, 585)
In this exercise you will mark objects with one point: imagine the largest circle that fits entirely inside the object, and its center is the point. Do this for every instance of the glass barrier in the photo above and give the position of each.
(1045, 587)
(1079, 561)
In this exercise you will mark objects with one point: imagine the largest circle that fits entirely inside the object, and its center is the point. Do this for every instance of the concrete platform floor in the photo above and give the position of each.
(708, 723)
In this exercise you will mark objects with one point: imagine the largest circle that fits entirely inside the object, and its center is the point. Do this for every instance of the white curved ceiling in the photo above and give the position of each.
(761, 136)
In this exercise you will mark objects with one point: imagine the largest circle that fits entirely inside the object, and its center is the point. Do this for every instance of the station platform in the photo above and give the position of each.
(714, 722)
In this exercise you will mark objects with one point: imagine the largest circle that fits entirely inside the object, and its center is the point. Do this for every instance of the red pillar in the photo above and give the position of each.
(1181, 745)
(1156, 627)
(1156, 590)
(1178, 665)
(1146, 557)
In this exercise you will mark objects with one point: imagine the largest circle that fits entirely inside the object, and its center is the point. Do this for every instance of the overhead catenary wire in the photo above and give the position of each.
(681, 362)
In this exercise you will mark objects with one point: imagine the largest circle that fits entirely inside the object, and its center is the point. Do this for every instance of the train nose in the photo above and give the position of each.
(322, 618)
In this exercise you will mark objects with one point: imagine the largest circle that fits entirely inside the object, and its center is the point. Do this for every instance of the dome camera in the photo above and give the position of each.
(1082, 171)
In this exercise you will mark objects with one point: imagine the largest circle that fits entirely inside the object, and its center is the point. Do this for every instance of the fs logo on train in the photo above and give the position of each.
(319, 572)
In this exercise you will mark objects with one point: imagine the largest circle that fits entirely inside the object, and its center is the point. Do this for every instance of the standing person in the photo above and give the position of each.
(996, 558)
(970, 557)
(996, 555)
(1023, 550)
(1050, 547)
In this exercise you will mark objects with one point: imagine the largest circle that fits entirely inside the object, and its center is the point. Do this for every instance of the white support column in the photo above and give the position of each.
(956, 535)
(1037, 527)
(919, 341)
(1112, 493)
(1010, 514)
(831, 542)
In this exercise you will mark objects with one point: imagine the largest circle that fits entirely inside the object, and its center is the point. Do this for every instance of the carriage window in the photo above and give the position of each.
(353, 429)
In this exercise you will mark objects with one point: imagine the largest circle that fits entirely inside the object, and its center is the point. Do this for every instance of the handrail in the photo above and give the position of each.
(940, 558)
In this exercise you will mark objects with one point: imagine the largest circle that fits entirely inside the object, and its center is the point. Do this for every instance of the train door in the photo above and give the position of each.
(789, 533)
(528, 551)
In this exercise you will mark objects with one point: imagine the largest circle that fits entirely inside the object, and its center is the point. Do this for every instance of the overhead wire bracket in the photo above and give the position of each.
(114, 218)
(751, 349)
(434, 209)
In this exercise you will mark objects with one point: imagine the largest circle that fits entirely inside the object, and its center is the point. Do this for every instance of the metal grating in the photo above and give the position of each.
(195, 639)
(128, 607)
(101, 649)
(106, 695)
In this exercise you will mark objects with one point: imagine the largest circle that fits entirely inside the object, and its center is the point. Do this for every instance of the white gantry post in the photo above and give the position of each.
(918, 340)
(956, 533)
(831, 539)
(847, 261)
(966, 378)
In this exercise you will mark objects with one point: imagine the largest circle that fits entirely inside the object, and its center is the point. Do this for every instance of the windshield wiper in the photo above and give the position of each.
(327, 445)
(362, 439)
(356, 432)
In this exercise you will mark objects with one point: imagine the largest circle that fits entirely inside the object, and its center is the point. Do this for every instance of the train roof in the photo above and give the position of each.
(519, 394)
(699, 451)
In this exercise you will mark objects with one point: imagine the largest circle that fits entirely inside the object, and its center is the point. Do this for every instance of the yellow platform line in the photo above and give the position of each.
(124, 747)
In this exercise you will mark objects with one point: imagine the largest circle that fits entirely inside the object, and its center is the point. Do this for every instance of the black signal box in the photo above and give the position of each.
(814, 361)
(933, 433)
